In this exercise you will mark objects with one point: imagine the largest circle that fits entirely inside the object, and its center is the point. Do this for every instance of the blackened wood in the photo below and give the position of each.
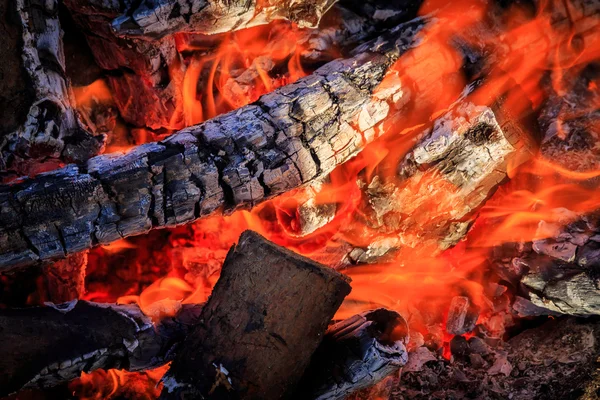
(42, 124)
(45, 346)
(286, 139)
(356, 353)
(162, 17)
(145, 76)
(265, 318)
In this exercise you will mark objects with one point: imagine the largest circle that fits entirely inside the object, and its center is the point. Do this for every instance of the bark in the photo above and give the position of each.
(41, 123)
(44, 346)
(356, 353)
(162, 17)
(265, 318)
(286, 139)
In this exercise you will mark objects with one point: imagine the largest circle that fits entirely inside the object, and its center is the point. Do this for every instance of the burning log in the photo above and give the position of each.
(356, 353)
(145, 74)
(44, 346)
(160, 18)
(265, 318)
(38, 120)
(286, 139)
(430, 201)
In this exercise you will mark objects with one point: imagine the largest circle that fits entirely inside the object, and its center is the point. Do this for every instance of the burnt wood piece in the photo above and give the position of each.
(65, 279)
(356, 353)
(463, 158)
(40, 123)
(145, 76)
(159, 18)
(286, 139)
(265, 318)
(45, 346)
(558, 274)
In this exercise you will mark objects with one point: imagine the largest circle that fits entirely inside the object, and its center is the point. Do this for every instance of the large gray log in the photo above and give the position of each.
(162, 17)
(44, 346)
(41, 123)
(356, 353)
(286, 139)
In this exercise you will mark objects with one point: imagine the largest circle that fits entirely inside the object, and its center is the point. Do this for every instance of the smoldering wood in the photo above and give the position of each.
(557, 274)
(145, 76)
(162, 17)
(286, 139)
(65, 279)
(356, 353)
(266, 316)
(462, 316)
(44, 346)
(465, 154)
(41, 123)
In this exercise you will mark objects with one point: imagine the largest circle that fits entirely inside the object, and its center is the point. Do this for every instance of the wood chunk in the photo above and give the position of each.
(65, 279)
(265, 318)
(45, 126)
(462, 316)
(356, 353)
(286, 139)
(162, 17)
(44, 346)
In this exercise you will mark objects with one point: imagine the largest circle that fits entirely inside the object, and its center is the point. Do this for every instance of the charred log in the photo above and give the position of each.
(356, 353)
(40, 122)
(160, 18)
(286, 139)
(45, 346)
(265, 318)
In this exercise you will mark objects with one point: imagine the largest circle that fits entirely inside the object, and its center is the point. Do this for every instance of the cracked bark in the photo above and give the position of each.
(286, 139)
(42, 125)
(44, 346)
(162, 17)
(265, 318)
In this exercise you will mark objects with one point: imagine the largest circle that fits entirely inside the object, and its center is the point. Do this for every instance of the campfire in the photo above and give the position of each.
(308, 199)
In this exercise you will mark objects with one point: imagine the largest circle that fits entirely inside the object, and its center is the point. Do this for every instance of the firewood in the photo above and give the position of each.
(558, 274)
(38, 119)
(458, 162)
(265, 318)
(286, 139)
(356, 353)
(146, 75)
(45, 346)
(162, 17)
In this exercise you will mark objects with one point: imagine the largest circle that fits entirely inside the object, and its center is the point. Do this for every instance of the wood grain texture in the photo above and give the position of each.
(265, 318)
